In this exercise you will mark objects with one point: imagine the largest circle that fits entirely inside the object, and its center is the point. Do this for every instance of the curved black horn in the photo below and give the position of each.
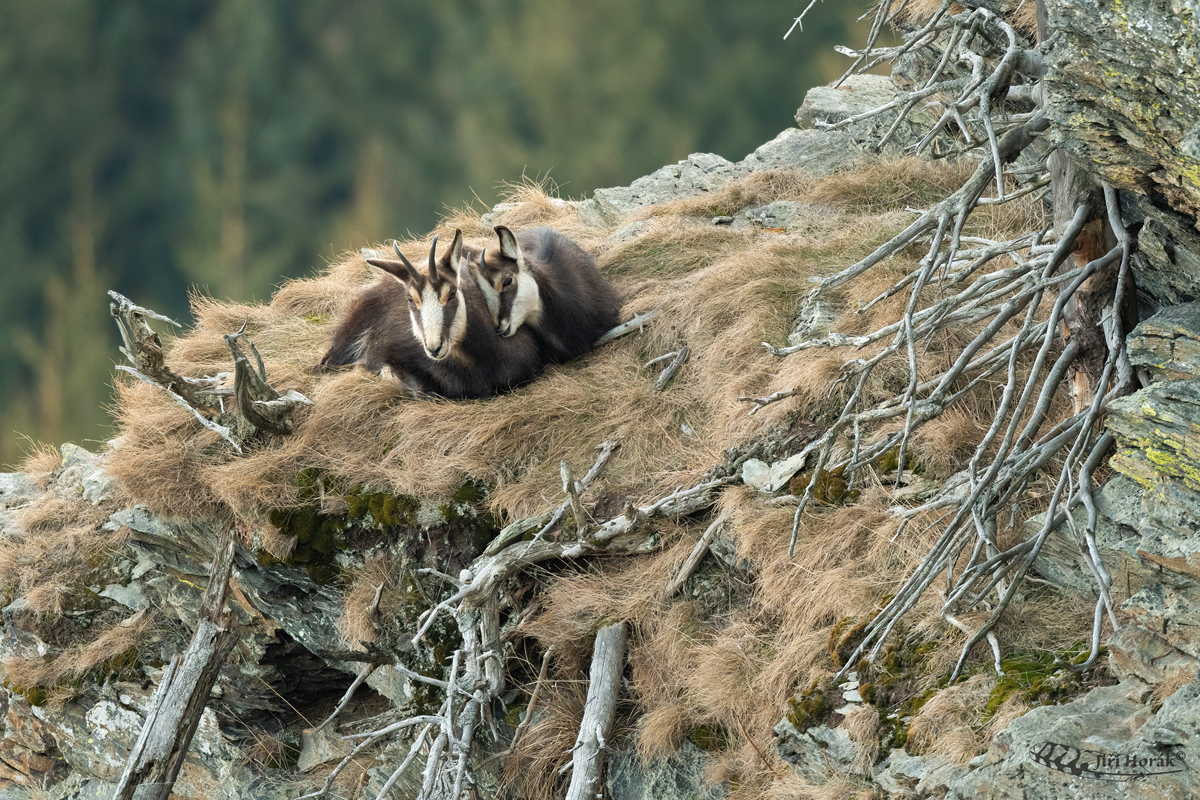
(400, 255)
(434, 278)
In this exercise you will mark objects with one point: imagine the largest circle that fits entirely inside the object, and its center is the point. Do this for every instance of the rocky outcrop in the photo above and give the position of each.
(815, 152)
(288, 660)
(1108, 744)
(1124, 93)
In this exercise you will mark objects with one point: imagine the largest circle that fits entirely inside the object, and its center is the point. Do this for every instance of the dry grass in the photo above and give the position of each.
(1174, 682)
(718, 668)
(951, 723)
(532, 769)
(62, 546)
(107, 649)
(40, 463)
(361, 619)
(1021, 15)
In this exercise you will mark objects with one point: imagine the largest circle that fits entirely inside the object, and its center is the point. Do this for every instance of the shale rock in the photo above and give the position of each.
(1107, 744)
(816, 152)
(1124, 93)
(1167, 346)
(826, 105)
(815, 752)
(902, 775)
(1160, 445)
(1167, 268)
(679, 776)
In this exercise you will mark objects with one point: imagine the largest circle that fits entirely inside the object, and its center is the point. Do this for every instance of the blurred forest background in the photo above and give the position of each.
(160, 146)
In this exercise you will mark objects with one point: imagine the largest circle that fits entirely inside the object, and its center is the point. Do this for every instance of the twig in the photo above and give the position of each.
(363, 674)
(636, 324)
(680, 356)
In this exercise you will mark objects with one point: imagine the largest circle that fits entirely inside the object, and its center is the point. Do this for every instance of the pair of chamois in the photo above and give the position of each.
(479, 321)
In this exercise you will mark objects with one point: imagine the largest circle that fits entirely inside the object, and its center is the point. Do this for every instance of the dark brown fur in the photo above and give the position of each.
(577, 304)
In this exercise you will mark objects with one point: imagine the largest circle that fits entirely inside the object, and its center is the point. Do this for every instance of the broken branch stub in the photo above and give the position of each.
(261, 405)
(587, 761)
(182, 695)
(144, 351)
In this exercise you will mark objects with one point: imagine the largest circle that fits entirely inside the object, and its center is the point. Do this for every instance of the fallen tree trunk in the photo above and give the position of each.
(608, 661)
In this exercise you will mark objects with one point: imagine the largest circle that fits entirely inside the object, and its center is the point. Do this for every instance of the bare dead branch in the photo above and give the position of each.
(694, 558)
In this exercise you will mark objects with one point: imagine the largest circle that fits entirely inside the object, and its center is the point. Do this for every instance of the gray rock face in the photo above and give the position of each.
(678, 777)
(1107, 744)
(816, 152)
(1167, 346)
(858, 94)
(902, 775)
(815, 752)
(1061, 561)
(1160, 447)
(1124, 93)
(1168, 266)
(288, 625)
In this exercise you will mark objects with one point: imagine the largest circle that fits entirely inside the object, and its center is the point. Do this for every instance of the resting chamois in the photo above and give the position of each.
(445, 344)
(542, 280)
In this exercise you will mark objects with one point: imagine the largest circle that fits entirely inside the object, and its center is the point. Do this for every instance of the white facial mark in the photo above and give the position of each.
(527, 305)
(432, 318)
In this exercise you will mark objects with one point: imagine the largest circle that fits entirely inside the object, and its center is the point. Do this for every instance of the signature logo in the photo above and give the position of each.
(1104, 766)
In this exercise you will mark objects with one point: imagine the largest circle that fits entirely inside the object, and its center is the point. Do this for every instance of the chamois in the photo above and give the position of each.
(541, 279)
(445, 344)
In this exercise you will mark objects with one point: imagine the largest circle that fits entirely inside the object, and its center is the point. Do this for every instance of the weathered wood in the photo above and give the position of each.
(143, 349)
(608, 661)
(261, 405)
(179, 702)
(694, 558)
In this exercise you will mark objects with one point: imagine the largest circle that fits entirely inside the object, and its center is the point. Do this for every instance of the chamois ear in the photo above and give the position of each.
(401, 270)
(508, 243)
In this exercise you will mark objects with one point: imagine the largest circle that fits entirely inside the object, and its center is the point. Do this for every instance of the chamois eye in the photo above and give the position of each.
(507, 282)
(450, 295)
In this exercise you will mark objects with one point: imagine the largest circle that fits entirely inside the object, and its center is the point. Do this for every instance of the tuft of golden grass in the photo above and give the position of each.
(358, 623)
(106, 645)
(40, 462)
(862, 726)
(532, 769)
(951, 723)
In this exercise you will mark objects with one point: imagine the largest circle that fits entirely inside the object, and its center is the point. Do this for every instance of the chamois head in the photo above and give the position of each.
(508, 284)
(438, 314)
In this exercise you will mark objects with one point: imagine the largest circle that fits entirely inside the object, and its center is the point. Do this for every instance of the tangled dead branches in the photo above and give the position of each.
(1036, 290)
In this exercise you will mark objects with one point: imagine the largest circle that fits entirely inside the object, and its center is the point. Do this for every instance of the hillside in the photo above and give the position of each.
(865, 494)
